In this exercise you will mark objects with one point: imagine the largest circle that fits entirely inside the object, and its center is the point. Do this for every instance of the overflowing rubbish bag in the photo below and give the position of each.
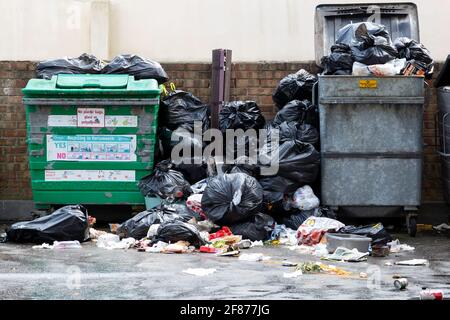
(295, 86)
(339, 62)
(231, 198)
(85, 63)
(136, 66)
(296, 160)
(390, 68)
(165, 182)
(294, 110)
(259, 227)
(65, 224)
(174, 231)
(241, 115)
(415, 52)
(370, 42)
(376, 232)
(312, 230)
(182, 109)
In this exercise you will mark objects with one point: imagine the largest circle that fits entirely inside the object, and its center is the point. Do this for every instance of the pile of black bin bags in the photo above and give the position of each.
(241, 195)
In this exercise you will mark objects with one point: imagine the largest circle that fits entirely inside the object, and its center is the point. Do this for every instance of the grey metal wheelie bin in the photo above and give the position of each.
(370, 127)
(443, 124)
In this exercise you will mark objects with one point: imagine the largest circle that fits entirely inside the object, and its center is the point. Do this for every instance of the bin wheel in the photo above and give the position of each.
(411, 224)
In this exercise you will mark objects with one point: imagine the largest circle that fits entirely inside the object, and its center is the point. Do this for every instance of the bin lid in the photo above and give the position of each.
(400, 19)
(443, 78)
(98, 85)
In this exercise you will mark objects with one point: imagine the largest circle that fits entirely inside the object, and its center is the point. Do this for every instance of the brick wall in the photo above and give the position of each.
(250, 81)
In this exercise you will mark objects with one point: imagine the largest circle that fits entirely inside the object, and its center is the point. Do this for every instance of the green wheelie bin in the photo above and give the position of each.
(91, 138)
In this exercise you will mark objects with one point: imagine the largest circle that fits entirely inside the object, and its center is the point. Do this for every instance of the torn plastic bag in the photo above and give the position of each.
(312, 230)
(296, 161)
(294, 131)
(165, 182)
(182, 109)
(85, 63)
(339, 62)
(241, 115)
(413, 50)
(136, 66)
(295, 86)
(377, 232)
(65, 224)
(259, 227)
(174, 231)
(231, 198)
(391, 68)
(294, 110)
(370, 42)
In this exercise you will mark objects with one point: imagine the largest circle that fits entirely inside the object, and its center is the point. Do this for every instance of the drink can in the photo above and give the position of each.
(431, 295)
(401, 283)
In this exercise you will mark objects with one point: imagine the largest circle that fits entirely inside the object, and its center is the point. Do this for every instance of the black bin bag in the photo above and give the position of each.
(165, 182)
(412, 50)
(182, 109)
(377, 232)
(173, 231)
(259, 227)
(339, 62)
(136, 66)
(294, 110)
(137, 227)
(85, 63)
(65, 224)
(295, 86)
(297, 161)
(370, 42)
(288, 131)
(231, 198)
(241, 115)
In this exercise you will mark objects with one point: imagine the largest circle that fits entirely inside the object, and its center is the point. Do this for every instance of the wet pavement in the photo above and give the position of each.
(94, 273)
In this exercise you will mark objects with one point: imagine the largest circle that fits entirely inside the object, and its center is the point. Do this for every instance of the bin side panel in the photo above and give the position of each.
(371, 182)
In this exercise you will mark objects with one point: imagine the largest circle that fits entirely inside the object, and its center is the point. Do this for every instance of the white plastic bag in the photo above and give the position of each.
(305, 199)
(390, 68)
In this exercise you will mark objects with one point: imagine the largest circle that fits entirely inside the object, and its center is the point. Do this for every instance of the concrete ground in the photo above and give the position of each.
(94, 273)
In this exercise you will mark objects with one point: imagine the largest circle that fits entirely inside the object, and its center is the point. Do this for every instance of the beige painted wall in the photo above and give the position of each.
(182, 30)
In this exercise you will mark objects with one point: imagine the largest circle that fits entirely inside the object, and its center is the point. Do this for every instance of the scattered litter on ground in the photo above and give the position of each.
(43, 246)
(289, 264)
(200, 271)
(429, 294)
(178, 247)
(95, 234)
(413, 262)
(66, 244)
(401, 283)
(395, 246)
(253, 257)
(294, 274)
(344, 254)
